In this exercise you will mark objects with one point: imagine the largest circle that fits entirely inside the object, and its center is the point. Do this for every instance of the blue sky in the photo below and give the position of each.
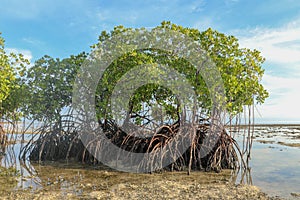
(61, 28)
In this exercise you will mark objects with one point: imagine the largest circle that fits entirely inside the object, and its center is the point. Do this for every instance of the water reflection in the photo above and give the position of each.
(276, 169)
(273, 167)
(275, 163)
(75, 177)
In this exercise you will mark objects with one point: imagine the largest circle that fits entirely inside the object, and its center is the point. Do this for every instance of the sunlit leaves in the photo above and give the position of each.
(12, 71)
(50, 83)
(240, 68)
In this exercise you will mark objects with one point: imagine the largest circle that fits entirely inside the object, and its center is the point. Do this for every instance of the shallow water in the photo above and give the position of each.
(275, 168)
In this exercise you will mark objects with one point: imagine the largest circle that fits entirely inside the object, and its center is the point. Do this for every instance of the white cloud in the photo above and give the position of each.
(33, 41)
(285, 97)
(197, 6)
(281, 47)
(286, 110)
(204, 23)
(26, 53)
(231, 1)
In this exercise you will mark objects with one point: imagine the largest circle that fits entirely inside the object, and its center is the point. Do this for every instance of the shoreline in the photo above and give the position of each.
(151, 187)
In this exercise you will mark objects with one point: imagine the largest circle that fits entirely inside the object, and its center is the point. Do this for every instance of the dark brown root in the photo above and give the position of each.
(207, 151)
(3, 140)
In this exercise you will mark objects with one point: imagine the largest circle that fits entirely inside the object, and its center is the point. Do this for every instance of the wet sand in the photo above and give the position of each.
(60, 183)
(275, 169)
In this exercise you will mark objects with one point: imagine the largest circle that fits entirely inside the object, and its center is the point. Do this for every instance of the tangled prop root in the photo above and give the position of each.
(206, 152)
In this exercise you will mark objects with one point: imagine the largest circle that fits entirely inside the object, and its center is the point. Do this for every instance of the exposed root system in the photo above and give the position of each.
(206, 151)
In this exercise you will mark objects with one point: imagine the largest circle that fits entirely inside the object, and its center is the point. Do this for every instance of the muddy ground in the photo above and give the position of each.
(76, 183)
